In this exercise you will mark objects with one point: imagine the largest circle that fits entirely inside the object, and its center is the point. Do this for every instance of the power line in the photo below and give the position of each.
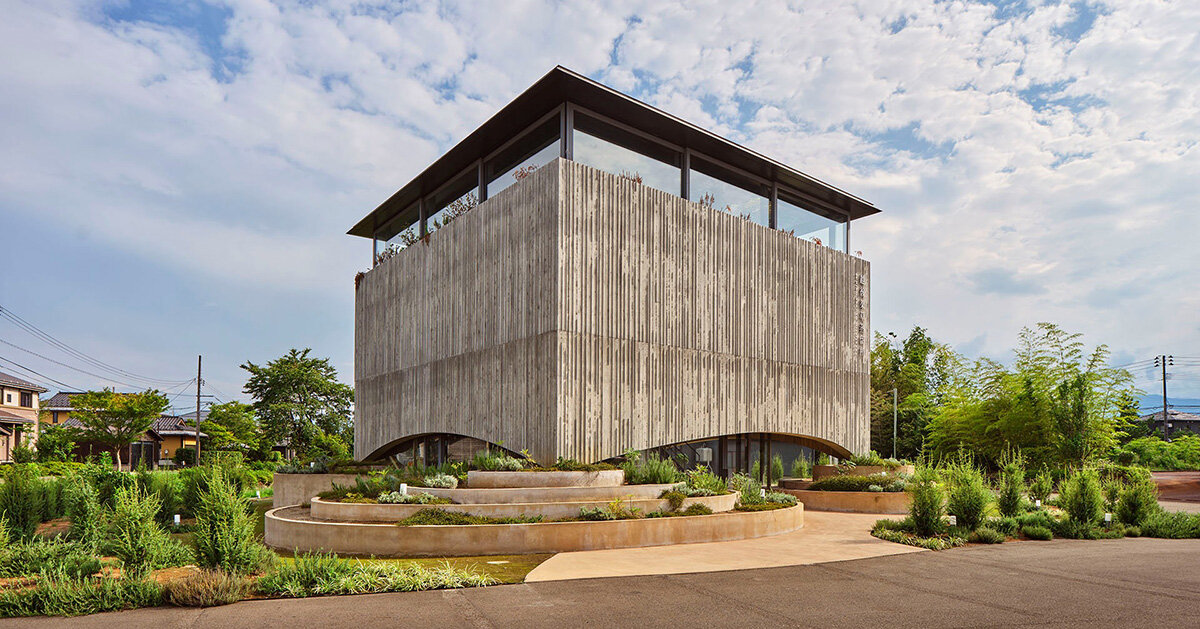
(107, 378)
(95, 362)
(39, 375)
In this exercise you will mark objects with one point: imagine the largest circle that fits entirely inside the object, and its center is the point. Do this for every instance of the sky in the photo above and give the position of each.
(177, 177)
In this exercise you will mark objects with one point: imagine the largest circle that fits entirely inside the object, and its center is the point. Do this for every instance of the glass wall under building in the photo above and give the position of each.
(532, 151)
(612, 149)
(711, 185)
(822, 228)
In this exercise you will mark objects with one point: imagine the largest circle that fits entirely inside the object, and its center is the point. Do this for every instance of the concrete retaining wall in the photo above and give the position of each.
(390, 513)
(478, 479)
(387, 540)
(545, 494)
(298, 489)
(890, 502)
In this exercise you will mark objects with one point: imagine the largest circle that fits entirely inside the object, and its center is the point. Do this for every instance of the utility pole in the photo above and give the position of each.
(198, 359)
(1163, 361)
(895, 397)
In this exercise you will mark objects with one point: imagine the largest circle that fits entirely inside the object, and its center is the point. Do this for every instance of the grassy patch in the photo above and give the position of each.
(322, 574)
(439, 517)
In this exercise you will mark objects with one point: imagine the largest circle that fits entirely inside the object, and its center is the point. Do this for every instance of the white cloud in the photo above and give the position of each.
(1026, 173)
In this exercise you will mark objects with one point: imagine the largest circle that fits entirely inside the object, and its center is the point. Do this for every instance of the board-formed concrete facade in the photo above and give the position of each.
(579, 314)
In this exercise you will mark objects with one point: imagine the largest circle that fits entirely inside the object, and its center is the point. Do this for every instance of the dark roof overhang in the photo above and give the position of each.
(561, 85)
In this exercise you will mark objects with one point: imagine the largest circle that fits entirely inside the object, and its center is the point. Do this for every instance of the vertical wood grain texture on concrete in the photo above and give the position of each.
(579, 314)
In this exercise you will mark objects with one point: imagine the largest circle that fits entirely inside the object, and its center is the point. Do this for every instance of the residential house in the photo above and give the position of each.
(19, 404)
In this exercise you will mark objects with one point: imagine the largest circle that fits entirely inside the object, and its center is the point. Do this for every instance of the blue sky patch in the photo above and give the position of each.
(206, 23)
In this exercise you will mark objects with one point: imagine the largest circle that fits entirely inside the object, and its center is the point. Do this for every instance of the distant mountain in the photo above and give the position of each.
(1151, 402)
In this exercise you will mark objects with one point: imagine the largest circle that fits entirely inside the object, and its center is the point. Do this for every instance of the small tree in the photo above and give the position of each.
(1012, 487)
(928, 502)
(54, 444)
(116, 420)
(224, 527)
(231, 426)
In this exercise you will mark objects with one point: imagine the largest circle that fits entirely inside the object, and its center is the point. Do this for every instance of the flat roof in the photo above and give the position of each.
(562, 85)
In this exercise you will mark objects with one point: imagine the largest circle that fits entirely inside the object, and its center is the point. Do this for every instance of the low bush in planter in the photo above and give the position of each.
(418, 498)
(931, 543)
(433, 516)
(649, 470)
(851, 482)
(207, 588)
(318, 574)
(693, 509)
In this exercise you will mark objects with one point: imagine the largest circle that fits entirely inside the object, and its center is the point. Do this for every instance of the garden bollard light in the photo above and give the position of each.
(176, 519)
(403, 489)
(1037, 503)
(257, 493)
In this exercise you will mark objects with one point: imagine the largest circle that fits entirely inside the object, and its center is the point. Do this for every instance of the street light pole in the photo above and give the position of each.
(895, 397)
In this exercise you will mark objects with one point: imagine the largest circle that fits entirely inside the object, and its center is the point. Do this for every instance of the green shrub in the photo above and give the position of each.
(801, 467)
(649, 470)
(61, 595)
(1136, 502)
(418, 498)
(21, 500)
(571, 465)
(851, 482)
(1012, 488)
(496, 462)
(1133, 531)
(930, 543)
(703, 480)
(168, 488)
(207, 588)
(1008, 526)
(61, 468)
(761, 506)
(748, 488)
(969, 495)
(318, 574)
(905, 525)
(135, 538)
(441, 517)
(1181, 453)
(873, 459)
(1042, 486)
(776, 468)
(985, 535)
(30, 558)
(674, 498)
(87, 516)
(697, 509)
(1164, 524)
(1081, 498)
(779, 497)
(1037, 532)
(928, 504)
(1111, 490)
(614, 510)
(54, 445)
(440, 481)
(224, 533)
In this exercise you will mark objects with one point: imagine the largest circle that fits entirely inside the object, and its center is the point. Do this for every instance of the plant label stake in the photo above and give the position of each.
(953, 520)
(403, 489)
(1037, 503)
(257, 493)
(176, 519)
(1108, 518)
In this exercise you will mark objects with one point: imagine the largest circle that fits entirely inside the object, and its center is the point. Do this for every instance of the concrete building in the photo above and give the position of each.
(585, 274)
(18, 414)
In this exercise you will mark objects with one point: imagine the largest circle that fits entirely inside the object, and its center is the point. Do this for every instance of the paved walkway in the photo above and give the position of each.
(825, 537)
(1063, 583)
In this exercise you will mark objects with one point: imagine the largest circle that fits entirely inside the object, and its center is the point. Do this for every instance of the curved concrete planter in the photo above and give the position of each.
(357, 512)
(388, 540)
(825, 471)
(890, 502)
(478, 479)
(544, 494)
(298, 489)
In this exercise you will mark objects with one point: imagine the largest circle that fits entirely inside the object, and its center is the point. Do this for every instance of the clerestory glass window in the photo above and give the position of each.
(612, 149)
(725, 190)
(821, 227)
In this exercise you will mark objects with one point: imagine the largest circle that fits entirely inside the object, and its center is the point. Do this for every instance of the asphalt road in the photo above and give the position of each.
(1064, 583)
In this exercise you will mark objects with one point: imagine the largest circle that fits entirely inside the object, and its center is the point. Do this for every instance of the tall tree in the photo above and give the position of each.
(297, 397)
(1058, 404)
(922, 372)
(116, 420)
